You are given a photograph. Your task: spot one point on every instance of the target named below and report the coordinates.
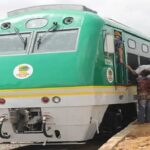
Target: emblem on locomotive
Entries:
(110, 76)
(23, 71)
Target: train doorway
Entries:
(119, 58)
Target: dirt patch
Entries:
(137, 139)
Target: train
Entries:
(60, 81)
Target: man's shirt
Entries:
(118, 44)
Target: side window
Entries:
(131, 44)
(144, 60)
(109, 43)
(133, 62)
(145, 48)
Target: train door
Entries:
(119, 58)
(110, 48)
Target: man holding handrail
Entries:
(143, 92)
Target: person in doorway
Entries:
(143, 93)
(118, 46)
(120, 70)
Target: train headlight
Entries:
(56, 99)
(6, 25)
(68, 20)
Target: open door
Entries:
(119, 59)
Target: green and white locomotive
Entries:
(60, 80)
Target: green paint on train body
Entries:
(85, 66)
(60, 69)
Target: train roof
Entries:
(125, 28)
(51, 7)
(80, 8)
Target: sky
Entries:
(133, 13)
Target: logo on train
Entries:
(23, 71)
(110, 75)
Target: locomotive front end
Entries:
(47, 92)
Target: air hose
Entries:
(44, 128)
(3, 135)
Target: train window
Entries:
(11, 43)
(133, 62)
(36, 23)
(131, 44)
(144, 60)
(145, 48)
(109, 43)
(56, 41)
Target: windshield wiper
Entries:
(8, 25)
(41, 38)
(24, 41)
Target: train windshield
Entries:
(56, 41)
(11, 43)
